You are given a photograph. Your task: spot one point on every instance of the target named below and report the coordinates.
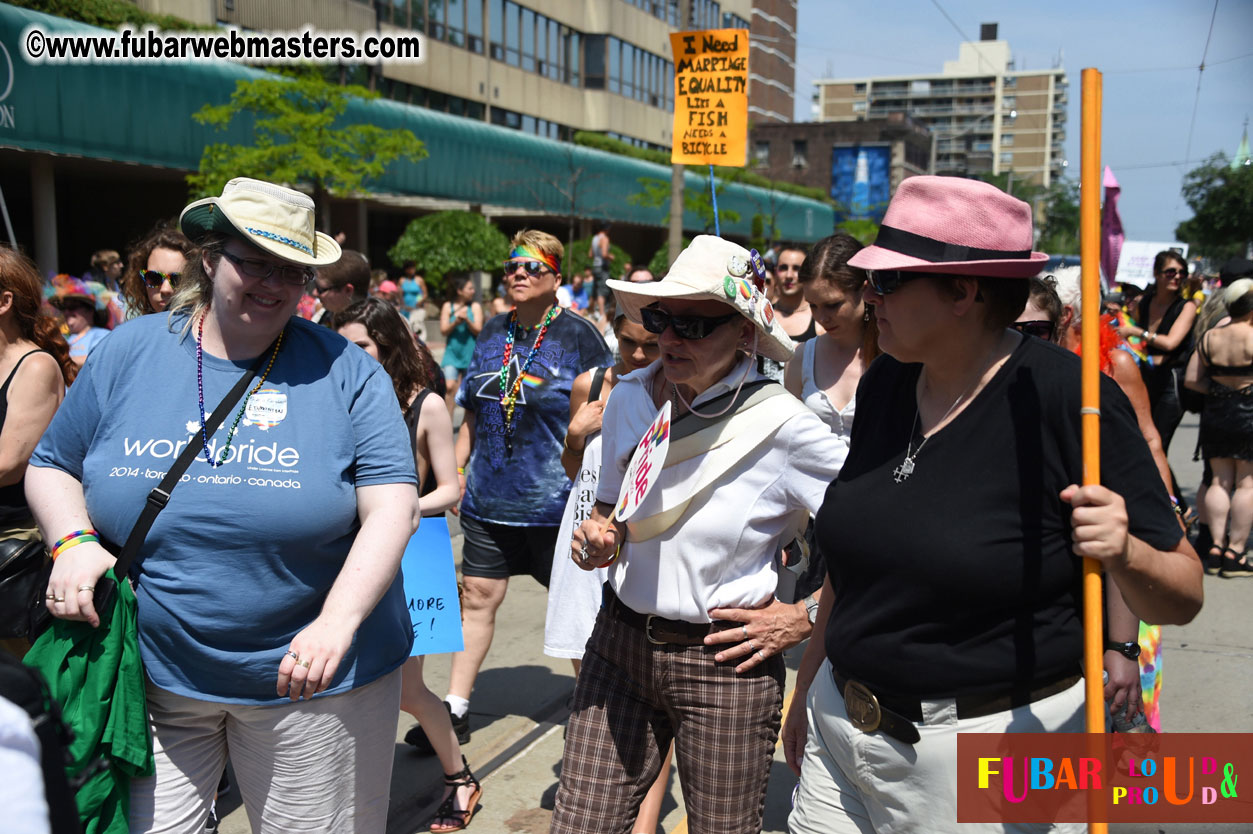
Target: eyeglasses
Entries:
(257, 268)
(531, 267)
(685, 327)
(1174, 273)
(1041, 328)
(324, 290)
(888, 281)
(154, 278)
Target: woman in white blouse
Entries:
(694, 568)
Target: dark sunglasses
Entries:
(888, 281)
(1174, 273)
(531, 267)
(685, 327)
(1040, 328)
(257, 268)
(154, 278)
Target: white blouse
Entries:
(721, 553)
(840, 421)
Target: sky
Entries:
(1149, 52)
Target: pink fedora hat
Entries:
(954, 226)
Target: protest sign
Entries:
(431, 589)
(711, 97)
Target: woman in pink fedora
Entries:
(956, 526)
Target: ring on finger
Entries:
(761, 654)
(82, 588)
(751, 647)
(304, 663)
(745, 628)
(50, 596)
(293, 655)
(58, 599)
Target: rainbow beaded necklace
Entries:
(230, 435)
(509, 393)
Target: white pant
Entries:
(317, 765)
(869, 783)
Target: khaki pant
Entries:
(868, 783)
(320, 765)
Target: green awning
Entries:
(141, 113)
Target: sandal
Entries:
(1234, 565)
(447, 809)
(1213, 561)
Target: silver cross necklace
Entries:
(901, 473)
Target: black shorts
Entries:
(499, 551)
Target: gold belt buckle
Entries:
(862, 707)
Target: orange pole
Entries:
(1090, 259)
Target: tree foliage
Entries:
(450, 241)
(299, 138)
(864, 230)
(108, 14)
(1060, 233)
(656, 194)
(1221, 200)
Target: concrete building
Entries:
(985, 115)
(547, 67)
(805, 153)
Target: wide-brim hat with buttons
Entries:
(275, 219)
(718, 270)
(954, 226)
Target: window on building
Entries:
(572, 57)
(761, 153)
(1008, 102)
(1007, 139)
(594, 62)
(859, 107)
(455, 14)
(859, 89)
(614, 48)
(435, 19)
(513, 57)
(496, 28)
(474, 26)
(1007, 158)
(1009, 82)
(800, 153)
(417, 15)
(399, 13)
(528, 40)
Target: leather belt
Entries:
(896, 716)
(659, 630)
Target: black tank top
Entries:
(411, 420)
(13, 507)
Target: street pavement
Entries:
(518, 710)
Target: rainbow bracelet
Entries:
(77, 537)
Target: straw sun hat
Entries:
(718, 270)
(275, 219)
(954, 226)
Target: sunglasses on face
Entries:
(685, 327)
(1041, 329)
(257, 268)
(1174, 273)
(888, 281)
(531, 267)
(324, 290)
(154, 278)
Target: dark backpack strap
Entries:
(598, 381)
(160, 496)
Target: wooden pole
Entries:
(1090, 259)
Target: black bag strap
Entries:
(598, 381)
(160, 495)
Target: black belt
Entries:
(896, 716)
(659, 630)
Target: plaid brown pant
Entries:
(633, 698)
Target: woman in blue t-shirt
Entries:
(271, 576)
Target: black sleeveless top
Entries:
(411, 420)
(13, 507)
(1169, 359)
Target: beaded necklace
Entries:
(230, 435)
(509, 393)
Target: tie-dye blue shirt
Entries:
(518, 479)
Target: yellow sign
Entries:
(711, 97)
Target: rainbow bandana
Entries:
(526, 252)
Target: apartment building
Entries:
(985, 115)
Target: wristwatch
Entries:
(811, 607)
(1131, 651)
